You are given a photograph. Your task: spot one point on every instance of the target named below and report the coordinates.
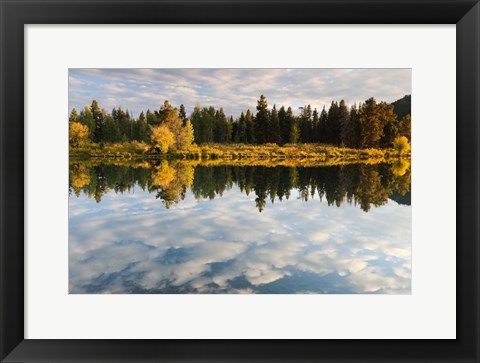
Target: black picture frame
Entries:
(16, 13)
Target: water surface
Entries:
(183, 227)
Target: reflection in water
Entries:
(207, 235)
(365, 185)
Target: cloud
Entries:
(234, 89)
(130, 243)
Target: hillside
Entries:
(403, 106)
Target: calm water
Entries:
(160, 227)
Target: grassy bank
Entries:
(305, 162)
(237, 152)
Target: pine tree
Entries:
(142, 130)
(322, 126)
(305, 124)
(220, 126)
(86, 118)
(315, 126)
(371, 126)
(196, 118)
(390, 124)
(182, 114)
(73, 116)
(284, 128)
(261, 121)
(292, 124)
(111, 131)
(98, 120)
(249, 127)
(242, 129)
(274, 126)
(333, 124)
(209, 123)
(229, 135)
(352, 129)
(123, 123)
(151, 118)
(405, 127)
(142, 117)
(390, 132)
(344, 120)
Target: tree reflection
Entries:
(365, 185)
(170, 181)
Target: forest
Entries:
(371, 124)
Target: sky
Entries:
(236, 90)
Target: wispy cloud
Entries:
(234, 89)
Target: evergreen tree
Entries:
(151, 119)
(371, 125)
(220, 126)
(229, 136)
(141, 129)
(405, 127)
(86, 118)
(249, 127)
(235, 135)
(294, 132)
(274, 126)
(242, 129)
(123, 123)
(333, 124)
(114, 114)
(196, 118)
(351, 130)
(344, 120)
(98, 119)
(390, 132)
(390, 124)
(306, 124)
(261, 121)
(315, 126)
(208, 123)
(322, 126)
(284, 128)
(182, 114)
(167, 114)
(142, 117)
(73, 116)
(111, 131)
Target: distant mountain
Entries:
(403, 106)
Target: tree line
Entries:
(370, 124)
(164, 129)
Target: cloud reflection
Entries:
(130, 243)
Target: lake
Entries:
(165, 227)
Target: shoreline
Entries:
(238, 152)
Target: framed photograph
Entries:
(240, 181)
